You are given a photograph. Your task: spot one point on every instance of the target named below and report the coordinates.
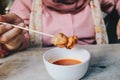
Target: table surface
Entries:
(28, 64)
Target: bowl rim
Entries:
(87, 60)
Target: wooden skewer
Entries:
(28, 29)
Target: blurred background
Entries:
(5, 6)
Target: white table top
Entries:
(28, 64)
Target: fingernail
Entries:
(21, 24)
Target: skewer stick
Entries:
(16, 26)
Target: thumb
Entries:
(2, 18)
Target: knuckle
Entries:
(2, 29)
(4, 39)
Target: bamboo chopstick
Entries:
(16, 26)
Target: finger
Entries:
(15, 42)
(24, 31)
(8, 26)
(4, 28)
(23, 25)
(9, 35)
(13, 18)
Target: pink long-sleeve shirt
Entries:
(80, 24)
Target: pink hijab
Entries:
(66, 6)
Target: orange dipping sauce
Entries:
(67, 62)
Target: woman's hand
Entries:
(11, 37)
(118, 29)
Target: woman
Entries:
(71, 17)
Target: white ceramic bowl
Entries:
(71, 72)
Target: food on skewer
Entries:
(72, 41)
(62, 40)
